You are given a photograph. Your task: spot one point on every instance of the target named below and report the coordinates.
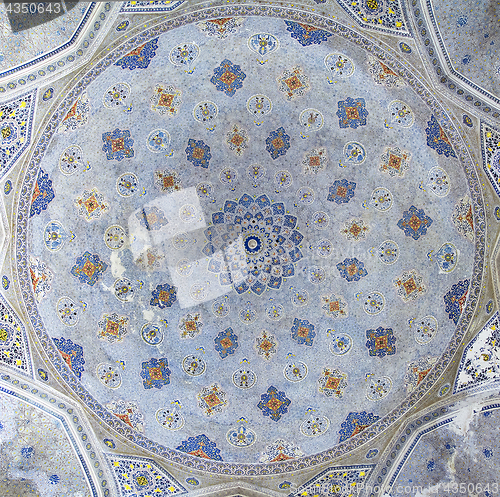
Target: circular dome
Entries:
(266, 236)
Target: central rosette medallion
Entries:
(253, 244)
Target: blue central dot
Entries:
(253, 244)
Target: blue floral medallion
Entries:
(414, 222)
(303, 332)
(404, 47)
(437, 139)
(43, 194)
(381, 342)
(7, 188)
(355, 423)
(89, 268)
(226, 343)
(198, 153)
(228, 77)
(118, 145)
(352, 113)
(341, 191)
(274, 403)
(277, 143)
(270, 244)
(109, 443)
(48, 94)
(164, 296)
(140, 57)
(305, 34)
(200, 446)
(467, 121)
(455, 300)
(351, 269)
(155, 373)
(43, 375)
(72, 353)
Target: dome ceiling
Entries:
(249, 239)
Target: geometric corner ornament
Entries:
(479, 366)
(16, 122)
(14, 348)
(141, 477)
(379, 15)
(490, 149)
(338, 481)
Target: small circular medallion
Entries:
(221, 308)
(320, 220)
(425, 329)
(184, 268)
(341, 344)
(109, 376)
(275, 312)
(354, 153)
(381, 199)
(151, 334)
(158, 141)
(259, 105)
(198, 291)
(324, 248)
(188, 213)
(378, 388)
(241, 436)
(127, 184)
(316, 274)
(305, 195)
(205, 112)
(374, 303)
(170, 419)
(315, 426)
(300, 298)
(193, 365)
(244, 378)
(123, 289)
(181, 241)
(295, 371)
(339, 65)
(71, 160)
(115, 237)
(388, 252)
(311, 120)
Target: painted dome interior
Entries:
(248, 249)
(215, 220)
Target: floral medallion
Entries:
(274, 403)
(212, 400)
(332, 382)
